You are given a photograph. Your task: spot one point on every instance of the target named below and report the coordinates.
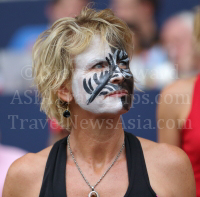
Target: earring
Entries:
(67, 113)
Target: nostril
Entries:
(117, 79)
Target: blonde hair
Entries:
(54, 50)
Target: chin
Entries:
(112, 114)
(113, 110)
(112, 106)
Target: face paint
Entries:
(121, 57)
(93, 83)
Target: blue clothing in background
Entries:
(25, 37)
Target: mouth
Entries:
(118, 93)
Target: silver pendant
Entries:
(93, 194)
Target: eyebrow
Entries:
(97, 60)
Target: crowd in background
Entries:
(161, 56)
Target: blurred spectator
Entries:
(17, 57)
(7, 156)
(178, 40)
(15, 71)
(179, 110)
(149, 64)
(57, 9)
(26, 36)
(139, 14)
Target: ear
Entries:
(65, 94)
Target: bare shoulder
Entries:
(166, 155)
(181, 86)
(175, 99)
(169, 169)
(26, 174)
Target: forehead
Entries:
(97, 50)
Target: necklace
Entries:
(93, 193)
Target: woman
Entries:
(81, 68)
(178, 114)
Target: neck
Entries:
(98, 142)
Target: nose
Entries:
(117, 77)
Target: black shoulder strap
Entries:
(138, 177)
(54, 181)
(53, 184)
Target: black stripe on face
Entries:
(116, 75)
(90, 84)
(128, 82)
(109, 88)
(116, 87)
(85, 86)
(125, 60)
(103, 93)
(123, 57)
(95, 78)
(103, 80)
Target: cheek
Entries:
(79, 92)
(112, 105)
(77, 86)
(90, 80)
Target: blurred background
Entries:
(164, 52)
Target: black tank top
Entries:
(54, 180)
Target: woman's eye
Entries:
(123, 65)
(99, 66)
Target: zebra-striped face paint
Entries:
(99, 73)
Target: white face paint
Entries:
(91, 61)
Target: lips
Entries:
(118, 93)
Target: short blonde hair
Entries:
(55, 49)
